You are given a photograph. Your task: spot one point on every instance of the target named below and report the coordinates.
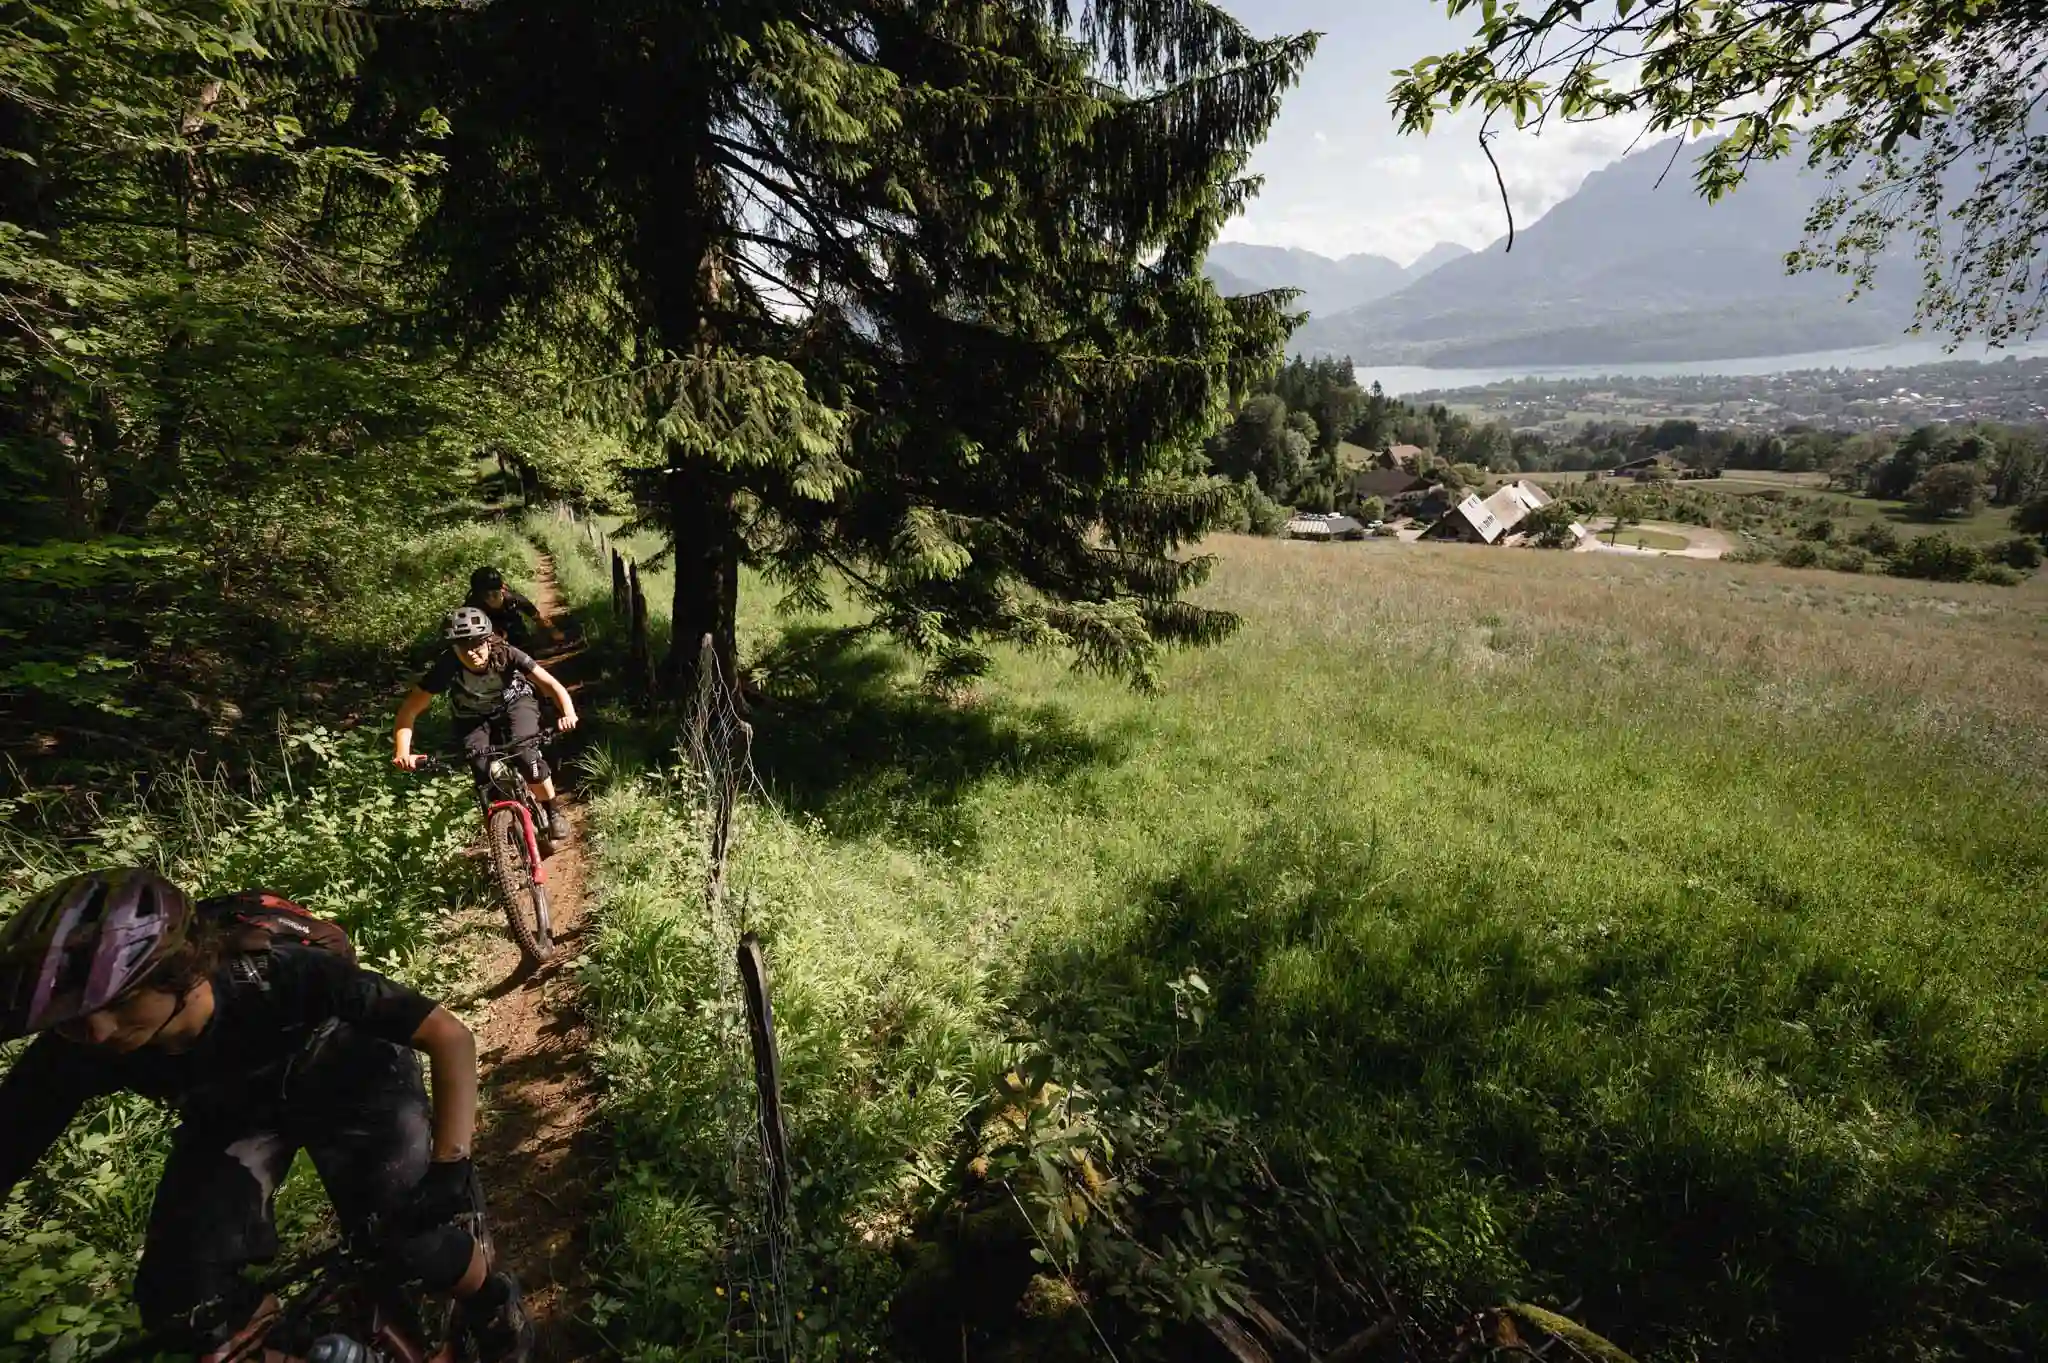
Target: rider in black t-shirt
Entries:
(261, 1055)
(508, 609)
(490, 687)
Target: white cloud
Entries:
(1340, 179)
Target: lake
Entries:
(1402, 379)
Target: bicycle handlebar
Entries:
(434, 762)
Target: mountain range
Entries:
(1328, 286)
(1623, 270)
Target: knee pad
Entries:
(436, 1259)
(532, 766)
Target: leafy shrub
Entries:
(1386, 532)
(1261, 514)
(1878, 537)
(2019, 552)
(1799, 554)
(1937, 558)
(1995, 575)
(2031, 516)
(1819, 531)
(1550, 527)
(1844, 558)
(1954, 489)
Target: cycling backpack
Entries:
(256, 920)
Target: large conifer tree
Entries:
(906, 290)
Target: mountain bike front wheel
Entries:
(524, 899)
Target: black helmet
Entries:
(485, 580)
(465, 623)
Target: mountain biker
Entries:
(508, 609)
(261, 1054)
(490, 687)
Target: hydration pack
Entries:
(253, 921)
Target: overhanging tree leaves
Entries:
(903, 292)
(1924, 113)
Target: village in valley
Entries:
(1420, 506)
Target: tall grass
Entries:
(1665, 937)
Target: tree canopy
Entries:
(1924, 113)
(910, 295)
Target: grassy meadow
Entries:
(1659, 939)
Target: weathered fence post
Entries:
(619, 602)
(642, 653)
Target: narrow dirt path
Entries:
(536, 1143)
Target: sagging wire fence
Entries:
(719, 743)
(716, 741)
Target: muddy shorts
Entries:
(359, 1109)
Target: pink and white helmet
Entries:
(84, 942)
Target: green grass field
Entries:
(1661, 937)
(1642, 537)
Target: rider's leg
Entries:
(522, 718)
(211, 1219)
(473, 736)
(370, 1138)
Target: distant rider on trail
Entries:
(262, 1053)
(490, 687)
(508, 609)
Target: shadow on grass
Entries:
(1719, 1140)
(844, 736)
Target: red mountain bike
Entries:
(516, 840)
(338, 1306)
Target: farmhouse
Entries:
(1491, 520)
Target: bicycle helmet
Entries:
(465, 623)
(83, 943)
(485, 580)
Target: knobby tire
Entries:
(525, 901)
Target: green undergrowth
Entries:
(317, 814)
(1572, 958)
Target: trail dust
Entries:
(535, 1147)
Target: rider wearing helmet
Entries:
(490, 687)
(261, 1054)
(507, 608)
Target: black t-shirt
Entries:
(505, 615)
(234, 1073)
(479, 693)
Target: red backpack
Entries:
(256, 920)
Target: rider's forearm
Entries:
(408, 716)
(565, 704)
(451, 1058)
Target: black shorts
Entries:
(358, 1108)
(515, 724)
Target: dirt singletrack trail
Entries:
(536, 1138)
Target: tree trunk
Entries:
(705, 533)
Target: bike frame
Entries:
(522, 802)
(540, 870)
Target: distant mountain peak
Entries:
(1327, 286)
(1443, 253)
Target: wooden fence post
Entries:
(618, 585)
(641, 662)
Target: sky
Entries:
(1340, 179)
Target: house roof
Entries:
(1385, 483)
(1405, 455)
(1499, 514)
(1317, 526)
